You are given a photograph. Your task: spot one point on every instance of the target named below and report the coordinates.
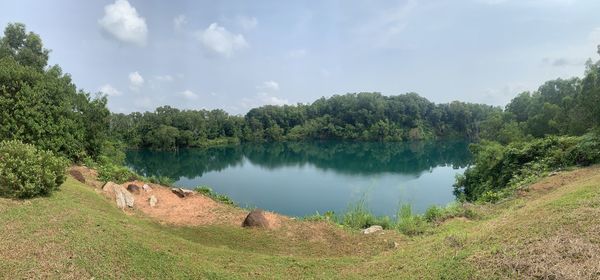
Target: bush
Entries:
(433, 214)
(116, 173)
(358, 216)
(498, 170)
(215, 196)
(27, 172)
(408, 223)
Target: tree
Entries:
(26, 48)
(40, 105)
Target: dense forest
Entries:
(42, 110)
(356, 116)
(558, 107)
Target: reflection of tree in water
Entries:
(184, 163)
(362, 158)
(344, 157)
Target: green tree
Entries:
(26, 48)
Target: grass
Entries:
(77, 233)
(207, 191)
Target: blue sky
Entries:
(236, 55)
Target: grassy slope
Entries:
(78, 233)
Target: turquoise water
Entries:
(299, 179)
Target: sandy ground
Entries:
(193, 210)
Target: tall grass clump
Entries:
(409, 223)
(358, 216)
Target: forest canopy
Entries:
(355, 116)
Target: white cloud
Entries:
(188, 94)
(297, 53)
(179, 21)
(269, 85)
(164, 78)
(109, 90)
(247, 23)
(219, 40)
(272, 100)
(136, 81)
(122, 21)
(261, 99)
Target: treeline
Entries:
(558, 107)
(357, 116)
(555, 127)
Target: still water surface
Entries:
(299, 179)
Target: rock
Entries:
(182, 192)
(122, 196)
(133, 188)
(146, 188)
(256, 218)
(393, 244)
(109, 187)
(372, 229)
(152, 200)
(77, 175)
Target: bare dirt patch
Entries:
(193, 210)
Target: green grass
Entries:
(78, 233)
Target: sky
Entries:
(236, 55)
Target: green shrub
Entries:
(161, 180)
(498, 170)
(116, 173)
(408, 223)
(27, 172)
(358, 216)
(215, 196)
(433, 214)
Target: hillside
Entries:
(551, 232)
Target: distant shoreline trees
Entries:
(357, 116)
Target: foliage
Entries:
(355, 116)
(207, 191)
(408, 223)
(116, 173)
(558, 107)
(28, 172)
(161, 180)
(499, 169)
(358, 216)
(40, 105)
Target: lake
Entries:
(301, 178)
